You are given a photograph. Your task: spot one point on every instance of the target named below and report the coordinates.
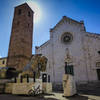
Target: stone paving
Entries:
(59, 96)
(53, 96)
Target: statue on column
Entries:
(69, 86)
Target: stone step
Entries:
(93, 86)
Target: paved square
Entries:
(53, 96)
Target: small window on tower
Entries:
(18, 23)
(29, 14)
(19, 12)
(28, 24)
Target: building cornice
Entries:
(93, 35)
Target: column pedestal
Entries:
(69, 86)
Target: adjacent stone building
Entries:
(3, 62)
(84, 48)
(20, 46)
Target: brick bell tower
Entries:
(20, 46)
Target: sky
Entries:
(50, 12)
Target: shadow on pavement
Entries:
(91, 92)
(38, 97)
(77, 97)
(23, 97)
(92, 88)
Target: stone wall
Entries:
(8, 87)
(3, 62)
(21, 88)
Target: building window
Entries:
(29, 14)
(97, 64)
(99, 52)
(28, 25)
(18, 23)
(19, 12)
(3, 62)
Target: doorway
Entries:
(98, 74)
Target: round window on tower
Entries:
(66, 37)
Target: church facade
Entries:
(84, 49)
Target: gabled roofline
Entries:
(65, 18)
(25, 4)
(42, 44)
